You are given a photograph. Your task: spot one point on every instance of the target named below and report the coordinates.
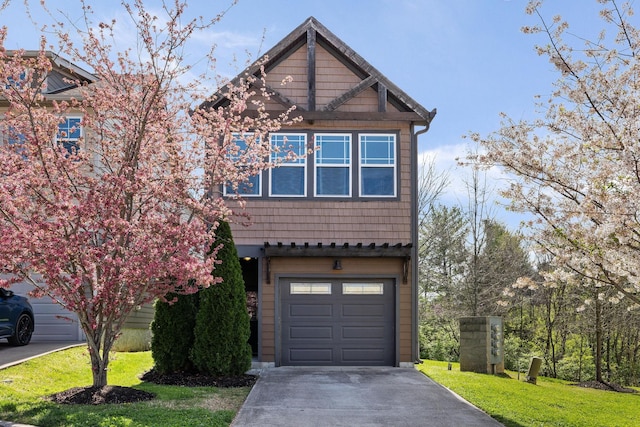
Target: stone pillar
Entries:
(482, 344)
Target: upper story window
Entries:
(288, 178)
(69, 134)
(333, 165)
(13, 82)
(346, 164)
(377, 165)
(252, 186)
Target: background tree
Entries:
(442, 251)
(442, 267)
(501, 261)
(479, 213)
(125, 218)
(222, 330)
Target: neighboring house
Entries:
(52, 322)
(331, 248)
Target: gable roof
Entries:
(61, 80)
(312, 34)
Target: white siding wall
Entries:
(53, 323)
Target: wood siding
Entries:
(333, 79)
(294, 66)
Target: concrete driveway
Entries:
(10, 355)
(354, 396)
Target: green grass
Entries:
(22, 388)
(549, 403)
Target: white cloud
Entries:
(227, 39)
(446, 159)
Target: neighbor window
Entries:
(288, 177)
(252, 186)
(11, 138)
(69, 134)
(333, 165)
(12, 82)
(377, 165)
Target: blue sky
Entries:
(467, 58)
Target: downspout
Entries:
(415, 346)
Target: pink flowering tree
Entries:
(125, 214)
(577, 166)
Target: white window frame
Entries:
(310, 288)
(275, 157)
(362, 165)
(258, 175)
(350, 288)
(67, 139)
(349, 165)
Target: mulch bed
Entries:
(117, 394)
(188, 379)
(605, 386)
(100, 395)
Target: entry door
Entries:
(331, 322)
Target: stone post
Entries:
(482, 344)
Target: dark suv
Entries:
(16, 318)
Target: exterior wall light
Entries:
(337, 264)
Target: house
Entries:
(331, 249)
(52, 322)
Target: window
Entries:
(310, 289)
(69, 134)
(13, 139)
(363, 289)
(333, 165)
(11, 82)
(377, 165)
(343, 165)
(288, 178)
(252, 186)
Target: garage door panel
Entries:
(363, 332)
(310, 332)
(311, 310)
(363, 310)
(338, 328)
(364, 355)
(313, 356)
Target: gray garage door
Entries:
(337, 322)
(53, 323)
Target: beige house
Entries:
(331, 251)
(52, 322)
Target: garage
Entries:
(52, 322)
(337, 322)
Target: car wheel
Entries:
(24, 330)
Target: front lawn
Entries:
(23, 386)
(549, 403)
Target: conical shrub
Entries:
(173, 333)
(222, 328)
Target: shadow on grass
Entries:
(114, 415)
(507, 422)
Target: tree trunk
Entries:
(98, 369)
(99, 347)
(598, 352)
(608, 357)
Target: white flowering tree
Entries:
(577, 166)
